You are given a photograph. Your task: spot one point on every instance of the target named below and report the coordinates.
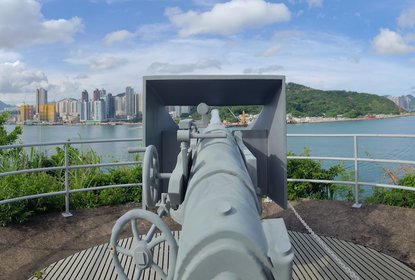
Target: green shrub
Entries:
(23, 185)
(52, 181)
(312, 169)
(394, 197)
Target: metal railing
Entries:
(67, 167)
(355, 159)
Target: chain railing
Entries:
(67, 167)
(355, 159)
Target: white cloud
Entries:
(206, 3)
(117, 36)
(409, 37)
(109, 2)
(21, 23)
(65, 88)
(271, 51)
(81, 77)
(228, 18)
(262, 70)
(162, 67)
(407, 18)
(315, 3)
(148, 32)
(9, 56)
(16, 77)
(106, 62)
(315, 59)
(390, 42)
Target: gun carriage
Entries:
(211, 180)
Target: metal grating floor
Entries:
(310, 262)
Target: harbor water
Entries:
(380, 148)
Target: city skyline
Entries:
(66, 46)
(101, 107)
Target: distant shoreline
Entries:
(307, 120)
(292, 120)
(77, 124)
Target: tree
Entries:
(8, 138)
(311, 169)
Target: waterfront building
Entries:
(178, 111)
(68, 107)
(84, 95)
(109, 106)
(136, 107)
(119, 102)
(26, 113)
(96, 94)
(99, 114)
(103, 93)
(141, 102)
(41, 98)
(47, 112)
(85, 111)
(129, 101)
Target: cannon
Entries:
(214, 190)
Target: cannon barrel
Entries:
(222, 236)
(215, 186)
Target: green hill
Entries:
(3, 105)
(303, 101)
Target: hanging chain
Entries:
(352, 274)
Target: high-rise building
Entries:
(141, 103)
(97, 94)
(68, 107)
(109, 106)
(103, 93)
(84, 96)
(41, 98)
(47, 112)
(85, 111)
(181, 110)
(119, 102)
(129, 101)
(26, 113)
(136, 107)
(99, 115)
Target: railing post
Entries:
(66, 213)
(356, 203)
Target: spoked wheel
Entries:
(151, 182)
(141, 250)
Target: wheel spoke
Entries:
(137, 274)
(135, 230)
(150, 233)
(159, 271)
(156, 241)
(124, 251)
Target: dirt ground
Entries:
(27, 248)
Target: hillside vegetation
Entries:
(303, 101)
(3, 105)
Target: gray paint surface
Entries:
(265, 138)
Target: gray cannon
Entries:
(212, 193)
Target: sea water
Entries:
(380, 148)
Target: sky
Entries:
(68, 46)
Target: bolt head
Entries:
(142, 256)
(224, 208)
